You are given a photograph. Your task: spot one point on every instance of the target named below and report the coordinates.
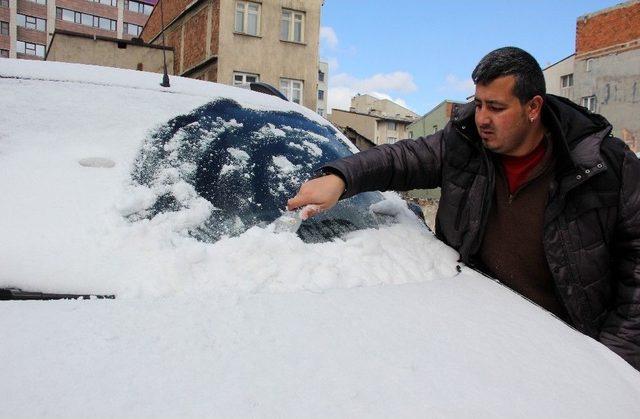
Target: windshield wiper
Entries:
(18, 294)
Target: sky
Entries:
(420, 52)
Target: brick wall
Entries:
(195, 30)
(75, 27)
(30, 35)
(607, 28)
(31, 9)
(172, 8)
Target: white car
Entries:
(171, 200)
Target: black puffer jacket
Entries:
(592, 220)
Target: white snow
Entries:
(378, 323)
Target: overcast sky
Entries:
(420, 52)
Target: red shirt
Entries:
(518, 169)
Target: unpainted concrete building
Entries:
(323, 88)
(559, 77)
(236, 42)
(73, 47)
(607, 67)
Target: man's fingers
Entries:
(295, 202)
(309, 211)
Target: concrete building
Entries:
(27, 26)
(433, 120)
(73, 47)
(559, 77)
(323, 88)
(379, 121)
(607, 67)
(234, 42)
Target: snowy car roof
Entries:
(377, 323)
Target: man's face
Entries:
(502, 121)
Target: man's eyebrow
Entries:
(490, 102)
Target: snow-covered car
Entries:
(169, 199)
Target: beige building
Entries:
(73, 47)
(381, 121)
(235, 42)
(558, 77)
(323, 88)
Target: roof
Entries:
(436, 108)
(377, 117)
(559, 61)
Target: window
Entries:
(391, 140)
(435, 129)
(137, 7)
(31, 22)
(566, 81)
(85, 19)
(30, 49)
(106, 2)
(320, 94)
(4, 53)
(4, 28)
(242, 78)
(320, 76)
(4, 3)
(589, 64)
(247, 17)
(291, 26)
(589, 102)
(36, 1)
(410, 134)
(391, 125)
(320, 111)
(292, 89)
(132, 29)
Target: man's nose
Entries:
(482, 117)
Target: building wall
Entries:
(553, 75)
(322, 105)
(48, 12)
(365, 125)
(614, 79)
(73, 49)
(266, 54)
(607, 66)
(608, 27)
(438, 117)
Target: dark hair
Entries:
(512, 61)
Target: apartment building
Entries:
(323, 88)
(433, 120)
(235, 42)
(558, 77)
(27, 26)
(380, 121)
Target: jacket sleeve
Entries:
(621, 330)
(407, 164)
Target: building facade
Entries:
(27, 26)
(236, 42)
(607, 67)
(74, 47)
(558, 77)
(433, 120)
(380, 121)
(323, 88)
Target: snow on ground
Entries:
(379, 323)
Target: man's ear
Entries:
(535, 107)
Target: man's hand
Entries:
(317, 195)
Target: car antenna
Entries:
(165, 76)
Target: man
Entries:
(535, 192)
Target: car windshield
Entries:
(246, 163)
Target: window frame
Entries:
(566, 81)
(4, 28)
(4, 3)
(140, 7)
(111, 3)
(27, 47)
(41, 2)
(244, 75)
(33, 25)
(392, 126)
(78, 17)
(321, 75)
(320, 94)
(589, 102)
(288, 89)
(291, 25)
(244, 30)
(4, 53)
(125, 29)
